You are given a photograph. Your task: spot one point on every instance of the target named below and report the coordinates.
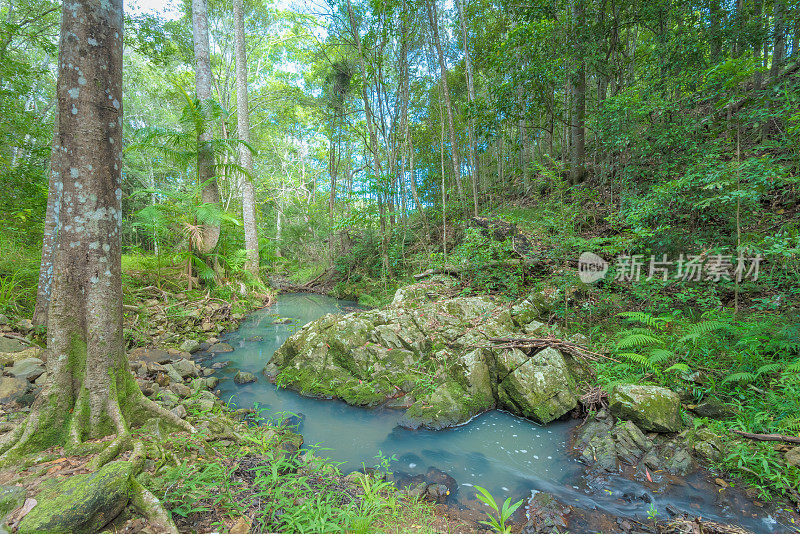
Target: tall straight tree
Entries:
(578, 154)
(245, 156)
(433, 20)
(473, 155)
(90, 391)
(205, 151)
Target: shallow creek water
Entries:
(510, 456)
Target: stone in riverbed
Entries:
(434, 348)
(149, 355)
(12, 389)
(652, 408)
(28, 369)
(180, 390)
(80, 503)
(218, 348)
(713, 409)
(10, 344)
(545, 513)
(25, 352)
(190, 345)
(173, 374)
(186, 368)
(243, 377)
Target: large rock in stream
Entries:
(431, 354)
(651, 407)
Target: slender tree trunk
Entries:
(523, 156)
(473, 153)
(205, 151)
(577, 168)
(404, 98)
(90, 391)
(245, 156)
(373, 138)
(715, 12)
(779, 40)
(433, 19)
(757, 45)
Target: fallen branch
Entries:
(767, 437)
(568, 347)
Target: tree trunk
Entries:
(577, 169)
(373, 138)
(779, 39)
(473, 154)
(715, 12)
(51, 227)
(757, 45)
(205, 152)
(434, 24)
(246, 157)
(90, 392)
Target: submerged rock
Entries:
(433, 350)
(218, 348)
(243, 377)
(652, 408)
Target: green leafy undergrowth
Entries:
(231, 469)
(750, 364)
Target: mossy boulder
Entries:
(432, 347)
(652, 408)
(540, 387)
(81, 503)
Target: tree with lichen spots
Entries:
(90, 391)
(205, 149)
(245, 156)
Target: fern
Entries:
(647, 319)
(638, 340)
(792, 424)
(744, 376)
(703, 328)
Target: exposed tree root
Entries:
(151, 508)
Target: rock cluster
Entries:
(23, 371)
(431, 355)
(609, 445)
(179, 385)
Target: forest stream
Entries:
(508, 455)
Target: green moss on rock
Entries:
(82, 503)
(652, 408)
